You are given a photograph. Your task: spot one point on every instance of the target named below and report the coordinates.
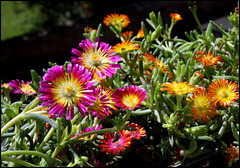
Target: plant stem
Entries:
(31, 104)
(193, 9)
(179, 100)
(25, 152)
(101, 131)
(47, 137)
(63, 144)
(12, 122)
(17, 161)
(173, 22)
(39, 108)
(127, 115)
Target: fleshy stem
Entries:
(45, 140)
(127, 115)
(179, 100)
(17, 161)
(17, 119)
(124, 55)
(24, 152)
(173, 22)
(64, 143)
(193, 9)
(12, 122)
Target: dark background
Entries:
(33, 51)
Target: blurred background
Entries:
(34, 33)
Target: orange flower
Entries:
(175, 16)
(207, 59)
(140, 33)
(160, 65)
(147, 57)
(232, 154)
(125, 46)
(127, 35)
(236, 9)
(109, 146)
(116, 19)
(140, 132)
(179, 88)
(88, 30)
(203, 108)
(223, 92)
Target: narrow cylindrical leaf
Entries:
(222, 129)
(153, 18)
(58, 131)
(144, 29)
(41, 118)
(141, 112)
(99, 29)
(169, 102)
(234, 131)
(209, 30)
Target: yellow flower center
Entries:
(130, 100)
(200, 104)
(97, 105)
(118, 143)
(224, 93)
(69, 93)
(27, 88)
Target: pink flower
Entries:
(129, 98)
(62, 90)
(96, 58)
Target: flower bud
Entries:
(195, 79)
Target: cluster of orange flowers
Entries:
(232, 153)
(221, 92)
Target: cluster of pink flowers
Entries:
(63, 88)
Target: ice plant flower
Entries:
(22, 87)
(147, 58)
(129, 98)
(62, 90)
(207, 59)
(96, 58)
(223, 92)
(140, 33)
(5, 86)
(179, 88)
(116, 19)
(127, 35)
(125, 46)
(103, 104)
(109, 146)
(232, 154)
(160, 65)
(176, 16)
(202, 107)
(140, 132)
(95, 163)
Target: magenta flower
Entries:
(62, 90)
(96, 58)
(109, 146)
(22, 87)
(95, 163)
(129, 98)
(103, 104)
